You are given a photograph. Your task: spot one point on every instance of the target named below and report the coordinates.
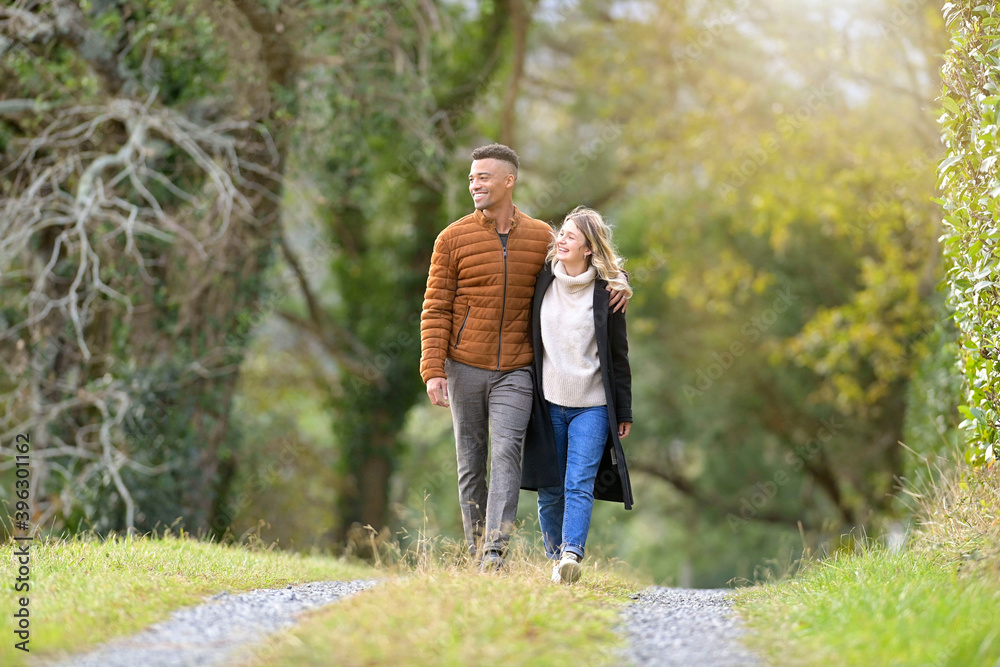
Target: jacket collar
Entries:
(483, 220)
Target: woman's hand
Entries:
(624, 428)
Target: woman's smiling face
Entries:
(571, 246)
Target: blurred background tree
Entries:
(143, 151)
(769, 168)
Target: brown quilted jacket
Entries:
(477, 307)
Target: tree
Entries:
(404, 96)
(772, 187)
(144, 145)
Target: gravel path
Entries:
(217, 632)
(685, 627)
(665, 627)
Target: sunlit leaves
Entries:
(969, 177)
(775, 202)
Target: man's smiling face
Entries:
(490, 181)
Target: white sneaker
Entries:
(568, 568)
(556, 577)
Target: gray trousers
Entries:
(485, 402)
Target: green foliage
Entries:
(931, 428)
(969, 177)
(381, 125)
(778, 223)
(768, 170)
(129, 380)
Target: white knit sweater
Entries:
(571, 370)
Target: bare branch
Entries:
(357, 367)
(704, 498)
(14, 107)
(92, 212)
(320, 321)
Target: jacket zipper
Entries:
(462, 328)
(503, 308)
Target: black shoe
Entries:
(492, 562)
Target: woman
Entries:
(583, 389)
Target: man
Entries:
(476, 344)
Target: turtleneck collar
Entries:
(574, 283)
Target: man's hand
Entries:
(437, 389)
(624, 428)
(618, 300)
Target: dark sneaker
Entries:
(492, 562)
(569, 568)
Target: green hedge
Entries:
(968, 177)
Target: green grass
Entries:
(85, 591)
(432, 608)
(877, 609)
(453, 615)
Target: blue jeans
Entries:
(564, 512)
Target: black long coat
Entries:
(540, 466)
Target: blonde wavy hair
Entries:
(603, 256)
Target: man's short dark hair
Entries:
(498, 152)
